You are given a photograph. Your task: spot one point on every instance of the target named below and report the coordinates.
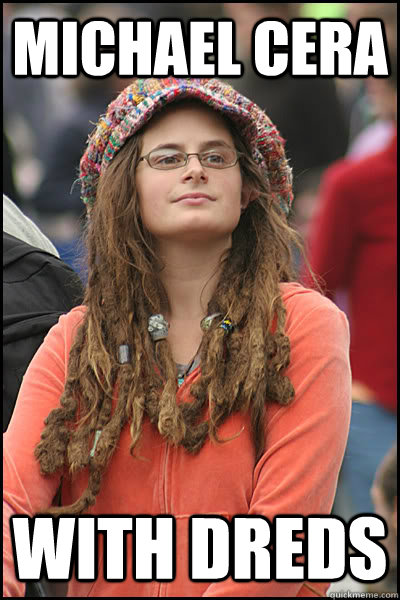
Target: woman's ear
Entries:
(248, 195)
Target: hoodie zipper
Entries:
(187, 382)
(165, 475)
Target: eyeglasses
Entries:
(166, 159)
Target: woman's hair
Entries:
(240, 371)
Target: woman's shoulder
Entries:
(76, 311)
(74, 317)
(62, 334)
(296, 296)
(319, 337)
(305, 305)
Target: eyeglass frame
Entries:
(187, 154)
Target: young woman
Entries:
(198, 377)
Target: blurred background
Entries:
(325, 122)
(47, 121)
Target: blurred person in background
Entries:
(16, 223)
(50, 123)
(9, 186)
(323, 10)
(306, 110)
(57, 199)
(352, 246)
(37, 288)
(185, 10)
(306, 203)
(31, 105)
(368, 101)
(384, 497)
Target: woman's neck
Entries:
(190, 278)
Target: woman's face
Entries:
(191, 203)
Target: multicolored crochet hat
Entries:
(137, 103)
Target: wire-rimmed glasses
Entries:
(166, 158)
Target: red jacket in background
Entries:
(353, 246)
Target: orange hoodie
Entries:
(296, 475)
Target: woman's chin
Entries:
(200, 227)
(199, 233)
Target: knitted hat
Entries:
(137, 103)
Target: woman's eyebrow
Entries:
(203, 145)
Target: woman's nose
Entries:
(194, 168)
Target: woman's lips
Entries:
(194, 199)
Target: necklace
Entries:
(158, 329)
(183, 370)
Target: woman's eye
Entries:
(166, 159)
(214, 158)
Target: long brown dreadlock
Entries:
(256, 352)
